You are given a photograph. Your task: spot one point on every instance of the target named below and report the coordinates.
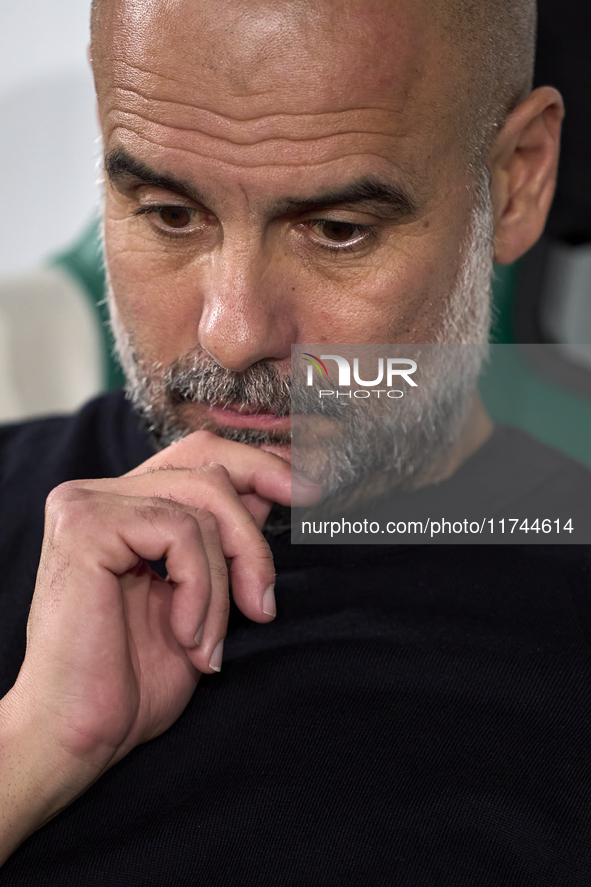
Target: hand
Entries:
(259, 477)
(112, 656)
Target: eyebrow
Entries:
(387, 200)
(121, 166)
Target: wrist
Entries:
(38, 781)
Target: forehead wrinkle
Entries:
(116, 60)
(121, 112)
(267, 123)
(146, 90)
(234, 165)
(272, 152)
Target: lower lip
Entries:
(249, 420)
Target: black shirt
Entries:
(414, 716)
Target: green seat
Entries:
(84, 262)
(515, 394)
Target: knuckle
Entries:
(154, 470)
(63, 493)
(217, 471)
(156, 508)
(223, 608)
(264, 553)
(219, 572)
(186, 521)
(207, 519)
(68, 506)
(149, 513)
(252, 524)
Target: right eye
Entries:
(175, 216)
(172, 218)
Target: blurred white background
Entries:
(48, 130)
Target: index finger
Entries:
(251, 470)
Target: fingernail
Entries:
(199, 635)
(269, 605)
(216, 658)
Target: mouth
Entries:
(249, 417)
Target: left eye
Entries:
(337, 232)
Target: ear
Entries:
(523, 163)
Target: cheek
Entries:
(420, 300)
(158, 306)
(401, 299)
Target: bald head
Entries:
(488, 48)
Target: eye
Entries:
(175, 216)
(172, 218)
(336, 235)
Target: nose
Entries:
(246, 312)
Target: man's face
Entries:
(279, 172)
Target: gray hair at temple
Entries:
(492, 49)
(495, 41)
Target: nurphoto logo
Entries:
(389, 370)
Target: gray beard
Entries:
(403, 442)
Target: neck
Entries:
(476, 431)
